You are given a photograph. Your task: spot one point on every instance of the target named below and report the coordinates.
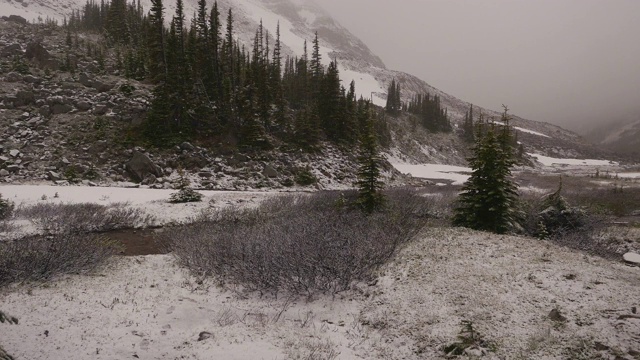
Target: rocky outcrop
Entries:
(140, 167)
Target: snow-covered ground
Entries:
(435, 171)
(550, 161)
(148, 307)
(152, 201)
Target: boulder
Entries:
(140, 166)
(83, 105)
(61, 108)
(53, 176)
(11, 50)
(15, 19)
(187, 146)
(13, 168)
(32, 79)
(102, 87)
(24, 98)
(632, 258)
(4, 172)
(270, 172)
(13, 77)
(14, 152)
(45, 110)
(84, 80)
(100, 109)
(35, 51)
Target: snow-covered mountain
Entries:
(299, 21)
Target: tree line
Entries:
(210, 87)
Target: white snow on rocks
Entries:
(632, 258)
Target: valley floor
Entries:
(148, 307)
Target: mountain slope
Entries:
(299, 21)
(622, 136)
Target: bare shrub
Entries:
(299, 244)
(84, 217)
(42, 257)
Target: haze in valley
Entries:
(575, 63)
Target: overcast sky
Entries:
(569, 62)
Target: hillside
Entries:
(621, 136)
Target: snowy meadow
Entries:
(270, 275)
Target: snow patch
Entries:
(435, 171)
(152, 201)
(550, 161)
(366, 85)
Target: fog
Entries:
(575, 63)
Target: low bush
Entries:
(6, 208)
(42, 257)
(84, 217)
(553, 217)
(300, 244)
(304, 177)
(185, 195)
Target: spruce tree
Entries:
(468, 127)
(370, 186)
(489, 198)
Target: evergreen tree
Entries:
(489, 198)
(370, 197)
(156, 43)
(117, 27)
(468, 127)
(394, 105)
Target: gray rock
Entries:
(632, 258)
(53, 176)
(14, 153)
(149, 180)
(35, 51)
(555, 315)
(205, 174)
(83, 105)
(61, 108)
(140, 166)
(100, 109)
(24, 98)
(3, 159)
(102, 87)
(4, 172)
(11, 50)
(32, 79)
(13, 168)
(204, 335)
(13, 77)
(85, 80)
(187, 146)
(15, 19)
(269, 171)
(45, 110)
